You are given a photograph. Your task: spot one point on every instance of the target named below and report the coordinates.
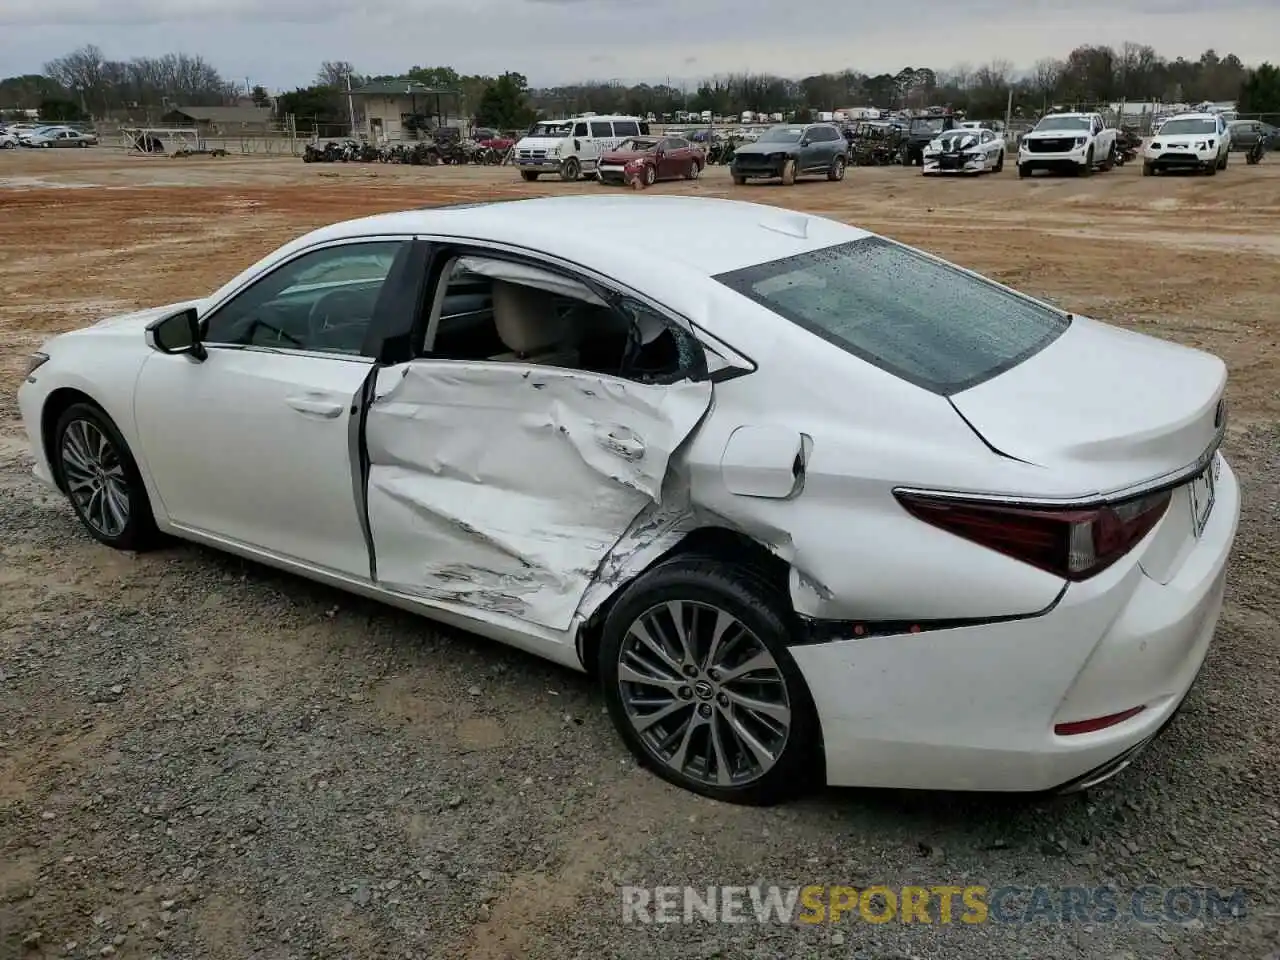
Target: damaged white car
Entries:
(965, 150)
(810, 503)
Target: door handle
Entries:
(317, 406)
(622, 443)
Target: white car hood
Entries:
(138, 320)
(954, 140)
(539, 143)
(1054, 134)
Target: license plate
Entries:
(1201, 493)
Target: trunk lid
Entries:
(1107, 407)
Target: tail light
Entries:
(1075, 543)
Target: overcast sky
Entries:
(280, 43)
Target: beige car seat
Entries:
(530, 326)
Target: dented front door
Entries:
(501, 486)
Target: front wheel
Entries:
(529, 175)
(1148, 169)
(101, 479)
(999, 163)
(1024, 171)
(1110, 162)
(650, 175)
(837, 169)
(1087, 169)
(1222, 163)
(570, 170)
(695, 169)
(700, 684)
(738, 180)
(788, 173)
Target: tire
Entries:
(590, 176)
(650, 175)
(695, 170)
(1226, 157)
(90, 452)
(1211, 170)
(1110, 162)
(570, 170)
(999, 167)
(82, 144)
(529, 175)
(1023, 171)
(788, 172)
(1148, 169)
(1087, 169)
(836, 173)
(703, 591)
(739, 181)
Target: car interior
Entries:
(480, 317)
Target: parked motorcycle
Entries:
(1256, 151)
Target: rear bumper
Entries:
(975, 708)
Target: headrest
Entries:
(526, 318)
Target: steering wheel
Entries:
(337, 308)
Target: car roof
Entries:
(1197, 115)
(723, 235)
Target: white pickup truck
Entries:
(1068, 142)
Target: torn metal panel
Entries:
(504, 485)
(529, 276)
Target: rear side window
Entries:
(924, 321)
(626, 128)
(603, 130)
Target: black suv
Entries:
(791, 150)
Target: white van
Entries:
(572, 148)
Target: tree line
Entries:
(86, 82)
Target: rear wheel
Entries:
(837, 169)
(101, 479)
(699, 681)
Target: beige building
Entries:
(394, 109)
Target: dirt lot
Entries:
(200, 757)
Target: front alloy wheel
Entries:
(95, 478)
(101, 479)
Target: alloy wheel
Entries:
(703, 693)
(95, 478)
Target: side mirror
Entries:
(804, 141)
(178, 333)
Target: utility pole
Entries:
(351, 105)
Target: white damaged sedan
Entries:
(810, 503)
(965, 150)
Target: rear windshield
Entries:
(924, 321)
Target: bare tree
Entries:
(335, 73)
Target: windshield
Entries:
(930, 125)
(781, 135)
(551, 130)
(1063, 123)
(1173, 127)
(637, 145)
(924, 321)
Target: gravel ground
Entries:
(204, 758)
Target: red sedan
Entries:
(650, 159)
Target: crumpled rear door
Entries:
(501, 486)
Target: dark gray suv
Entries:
(791, 150)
